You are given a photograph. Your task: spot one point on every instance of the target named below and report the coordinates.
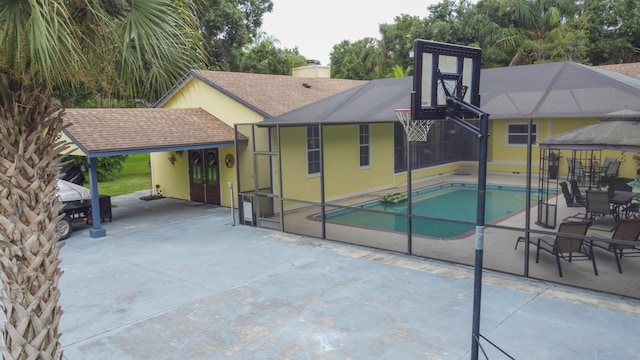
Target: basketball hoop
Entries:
(416, 130)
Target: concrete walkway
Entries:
(175, 280)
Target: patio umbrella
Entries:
(635, 184)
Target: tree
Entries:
(397, 42)
(360, 60)
(228, 26)
(613, 30)
(51, 44)
(262, 56)
(453, 22)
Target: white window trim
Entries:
(306, 136)
(361, 167)
(507, 133)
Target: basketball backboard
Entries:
(436, 64)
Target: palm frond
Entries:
(37, 38)
(510, 43)
(157, 45)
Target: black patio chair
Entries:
(610, 168)
(576, 170)
(627, 231)
(568, 248)
(598, 204)
(575, 190)
(568, 197)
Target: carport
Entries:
(123, 131)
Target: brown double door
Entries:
(204, 176)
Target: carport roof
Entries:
(106, 132)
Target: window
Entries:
(313, 150)
(364, 145)
(517, 134)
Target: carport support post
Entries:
(97, 230)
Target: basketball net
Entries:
(416, 130)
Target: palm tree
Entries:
(124, 47)
(531, 22)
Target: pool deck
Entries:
(176, 280)
(499, 252)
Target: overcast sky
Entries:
(316, 26)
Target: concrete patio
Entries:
(175, 280)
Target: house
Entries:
(190, 132)
(312, 139)
(351, 143)
(234, 98)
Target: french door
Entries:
(204, 176)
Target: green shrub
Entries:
(109, 167)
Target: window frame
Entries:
(364, 145)
(509, 134)
(312, 145)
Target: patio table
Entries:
(619, 200)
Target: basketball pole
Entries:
(482, 133)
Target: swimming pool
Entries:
(454, 201)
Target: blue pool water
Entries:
(455, 201)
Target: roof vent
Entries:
(306, 85)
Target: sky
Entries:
(314, 27)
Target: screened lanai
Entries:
(558, 91)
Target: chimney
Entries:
(313, 69)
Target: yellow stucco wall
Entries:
(513, 158)
(72, 149)
(171, 179)
(195, 94)
(227, 175)
(401, 177)
(174, 178)
(343, 176)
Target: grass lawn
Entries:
(136, 175)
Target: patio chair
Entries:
(605, 167)
(598, 204)
(568, 197)
(627, 231)
(565, 247)
(609, 171)
(576, 170)
(575, 190)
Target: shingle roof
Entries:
(114, 130)
(551, 90)
(273, 95)
(631, 69)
